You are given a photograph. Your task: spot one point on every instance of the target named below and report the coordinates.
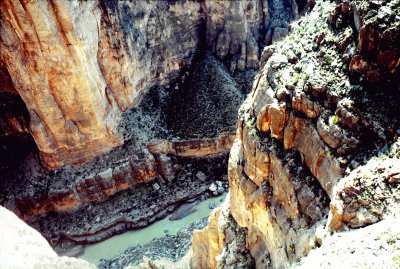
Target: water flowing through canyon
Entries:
(199, 134)
(114, 246)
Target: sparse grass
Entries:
(251, 122)
(392, 239)
(334, 119)
(296, 78)
(396, 261)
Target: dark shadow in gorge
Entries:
(15, 141)
(206, 104)
(379, 103)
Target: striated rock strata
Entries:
(313, 116)
(77, 65)
(67, 195)
(136, 207)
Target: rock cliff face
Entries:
(221, 236)
(77, 65)
(162, 164)
(319, 108)
(50, 59)
(100, 87)
(67, 195)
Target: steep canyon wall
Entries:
(317, 146)
(77, 65)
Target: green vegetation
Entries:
(296, 78)
(328, 59)
(392, 239)
(396, 261)
(251, 122)
(334, 119)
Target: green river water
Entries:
(115, 245)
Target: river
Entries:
(115, 245)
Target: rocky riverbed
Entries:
(135, 208)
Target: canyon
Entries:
(116, 114)
(49, 46)
(105, 103)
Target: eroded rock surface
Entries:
(348, 249)
(78, 65)
(24, 247)
(311, 119)
(368, 193)
(49, 55)
(150, 151)
(222, 243)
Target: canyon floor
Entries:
(201, 106)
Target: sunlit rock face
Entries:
(24, 247)
(48, 49)
(77, 65)
(316, 147)
(222, 244)
(208, 243)
(276, 200)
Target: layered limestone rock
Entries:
(67, 196)
(49, 55)
(194, 148)
(143, 180)
(142, 43)
(308, 123)
(24, 247)
(368, 199)
(78, 65)
(64, 196)
(134, 208)
(276, 200)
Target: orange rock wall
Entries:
(50, 59)
(77, 65)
